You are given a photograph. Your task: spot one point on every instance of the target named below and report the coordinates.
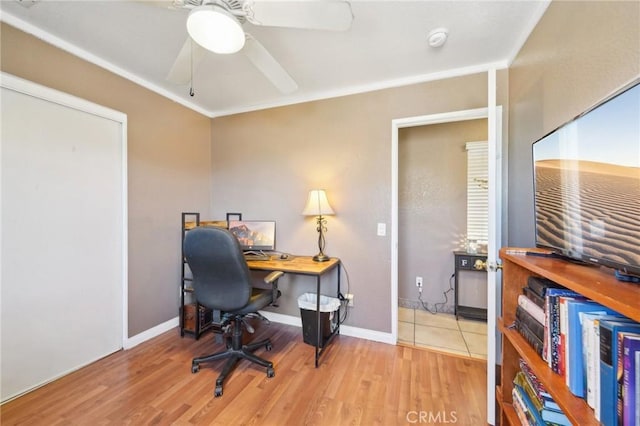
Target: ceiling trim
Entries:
(385, 84)
(351, 90)
(528, 29)
(56, 41)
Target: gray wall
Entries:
(578, 54)
(264, 163)
(432, 210)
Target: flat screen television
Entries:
(254, 235)
(587, 185)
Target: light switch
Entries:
(382, 229)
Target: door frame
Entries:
(493, 114)
(64, 100)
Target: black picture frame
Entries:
(233, 216)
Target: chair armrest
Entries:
(272, 279)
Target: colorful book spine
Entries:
(519, 407)
(630, 392)
(538, 386)
(541, 399)
(534, 310)
(555, 418)
(576, 349)
(533, 296)
(552, 322)
(591, 354)
(608, 367)
(562, 344)
(541, 285)
(597, 354)
(532, 414)
(619, 372)
(637, 409)
(536, 327)
(521, 381)
(537, 402)
(529, 336)
(586, 322)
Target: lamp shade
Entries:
(317, 204)
(215, 29)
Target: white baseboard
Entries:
(365, 333)
(347, 330)
(150, 333)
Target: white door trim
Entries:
(28, 88)
(494, 137)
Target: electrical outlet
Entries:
(349, 297)
(419, 282)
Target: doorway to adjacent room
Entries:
(493, 114)
(437, 214)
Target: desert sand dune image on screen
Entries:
(594, 207)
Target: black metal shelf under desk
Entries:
(467, 262)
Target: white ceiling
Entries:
(385, 47)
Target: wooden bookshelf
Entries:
(596, 283)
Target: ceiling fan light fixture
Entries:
(215, 29)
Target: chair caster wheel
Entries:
(268, 346)
(270, 372)
(195, 368)
(218, 391)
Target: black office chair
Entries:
(222, 282)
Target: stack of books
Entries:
(532, 402)
(594, 348)
(531, 312)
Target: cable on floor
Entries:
(446, 298)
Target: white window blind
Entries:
(477, 191)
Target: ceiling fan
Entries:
(216, 26)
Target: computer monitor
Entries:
(254, 234)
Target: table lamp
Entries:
(318, 205)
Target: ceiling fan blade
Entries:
(331, 15)
(188, 59)
(267, 64)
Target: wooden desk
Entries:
(304, 265)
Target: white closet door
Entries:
(63, 236)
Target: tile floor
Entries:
(442, 332)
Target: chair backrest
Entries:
(221, 277)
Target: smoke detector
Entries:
(438, 37)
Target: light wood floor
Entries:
(359, 382)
